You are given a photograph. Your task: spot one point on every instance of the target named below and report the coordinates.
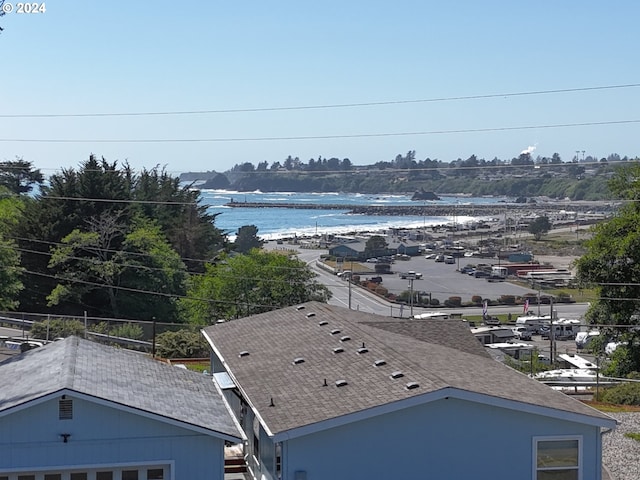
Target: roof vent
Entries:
(322, 323)
(300, 307)
(244, 353)
(338, 350)
(335, 331)
(341, 383)
(311, 314)
(65, 408)
(325, 384)
(397, 374)
(379, 363)
(411, 385)
(298, 361)
(345, 338)
(362, 350)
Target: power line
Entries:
(321, 137)
(321, 106)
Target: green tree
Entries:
(247, 238)
(10, 269)
(245, 285)
(19, 176)
(539, 227)
(612, 264)
(120, 274)
(375, 243)
(76, 199)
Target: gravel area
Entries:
(621, 455)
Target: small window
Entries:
(311, 314)
(26, 477)
(155, 474)
(557, 459)
(130, 475)
(397, 374)
(298, 361)
(379, 363)
(362, 350)
(49, 476)
(65, 409)
(345, 338)
(335, 331)
(79, 476)
(338, 350)
(104, 475)
(322, 323)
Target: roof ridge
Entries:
(69, 359)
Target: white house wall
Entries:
(446, 439)
(31, 439)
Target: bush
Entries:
(181, 344)
(453, 302)
(380, 290)
(434, 302)
(57, 328)
(625, 394)
(477, 299)
(508, 299)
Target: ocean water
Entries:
(274, 223)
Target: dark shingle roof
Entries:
(434, 354)
(119, 376)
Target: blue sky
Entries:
(163, 56)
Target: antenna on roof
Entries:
(271, 404)
(325, 384)
(363, 345)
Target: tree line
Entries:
(522, 176)
(111, 242)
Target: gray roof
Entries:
(435, 354)
(119, 376)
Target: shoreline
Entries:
(471, 210)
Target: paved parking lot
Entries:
(443, 280)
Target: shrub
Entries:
(477, 299)
(434, 302)
(453, 302)
(508, 299)
(625, 394)
(380, 290)
(181, 344)
(57, 328)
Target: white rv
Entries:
(533, 323)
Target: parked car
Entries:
(449, 259)
(481, 274)
(522, 333)
(372, 260)
(376, 279)
(439, 258)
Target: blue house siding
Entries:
(101, 435)
(446, 439)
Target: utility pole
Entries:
(551, 333)
(349, 280)
(411, 295)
